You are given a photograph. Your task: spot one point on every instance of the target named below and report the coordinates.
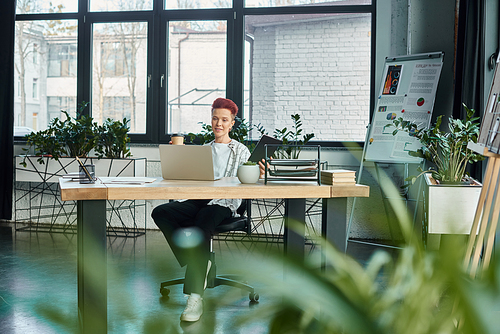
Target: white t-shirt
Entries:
(221, 154)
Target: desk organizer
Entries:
(293, 169)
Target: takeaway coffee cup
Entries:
(177, 139)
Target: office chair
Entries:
(238, 223)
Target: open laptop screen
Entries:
(186, 162)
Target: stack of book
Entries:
(338, 176)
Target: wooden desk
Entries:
(91, 223)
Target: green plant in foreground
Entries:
(446, 150)
(412, 291)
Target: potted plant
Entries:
(292, 143)
(249, 172)
(451, 196)
(447, 151)
(112, 139)
(55, 149)
(69, 137)
(78, 136)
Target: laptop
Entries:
(186, 162)
(259, 151)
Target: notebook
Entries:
(186, 162)
(259, 152)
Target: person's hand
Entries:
(263, 168)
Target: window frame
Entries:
(157, 44)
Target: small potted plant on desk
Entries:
(249, 172)
(451, 194)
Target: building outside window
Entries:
(116, 58)
(35, 53)
(57, 103)
(35, 89)
(117, 107)
(62, 59)
(53, 43)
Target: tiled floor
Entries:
(38, 285)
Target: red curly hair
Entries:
(225, 104)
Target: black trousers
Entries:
(188, 227)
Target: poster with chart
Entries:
(408, 90)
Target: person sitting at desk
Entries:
(184, 220)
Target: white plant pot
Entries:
(451, 208)
(248, 173)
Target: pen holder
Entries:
(84, 177)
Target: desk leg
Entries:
(294, 238)
(92, 274)
(334, 222)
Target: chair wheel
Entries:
(254, 297)
(164, 291)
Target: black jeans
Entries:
(188, 227)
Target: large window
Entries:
(162, 67)
(119, 66)
(196, 70)
(314, 65)
(45, 66)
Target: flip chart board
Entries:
(408, 90)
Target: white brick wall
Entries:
(319, 69)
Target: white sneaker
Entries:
(193, 310)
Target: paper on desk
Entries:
(127, 180)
